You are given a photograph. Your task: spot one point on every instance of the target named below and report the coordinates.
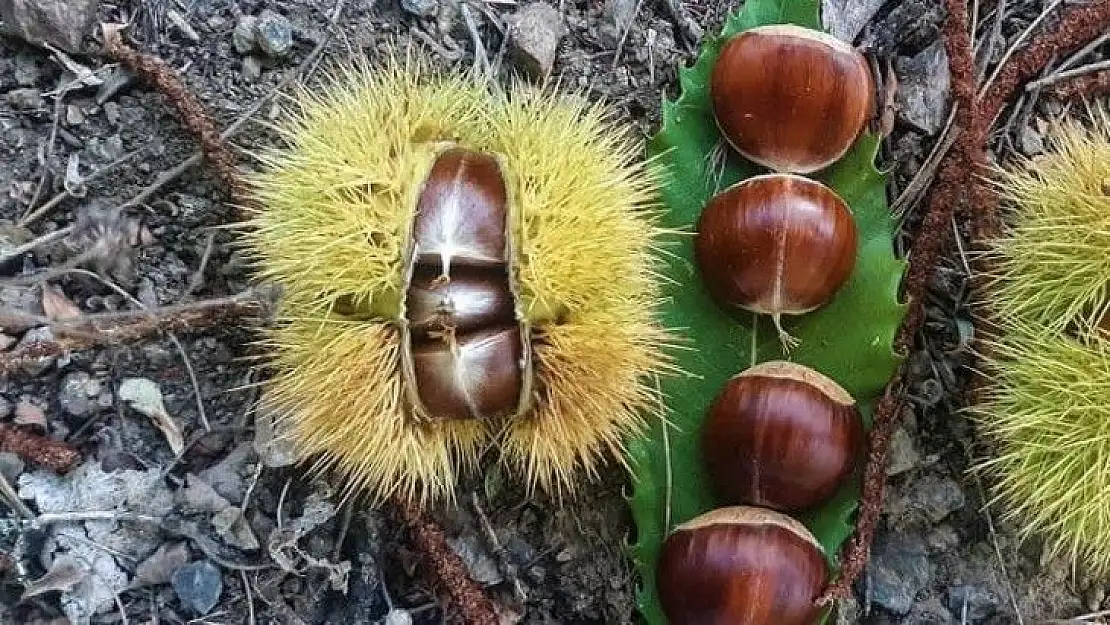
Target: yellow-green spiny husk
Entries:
(1046, 403)
(336, 206)
(1052, 264)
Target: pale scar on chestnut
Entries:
(466, 355)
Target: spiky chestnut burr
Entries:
(1044, 403)
(535, 258)
(1051, 265)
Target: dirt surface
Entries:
(940, 557)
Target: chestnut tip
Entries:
(790, 98)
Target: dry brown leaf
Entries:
(145, 396)
(56, 305)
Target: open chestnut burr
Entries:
(789, 98)
(741, 565)
(783, 436)
(776, 244)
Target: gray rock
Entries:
(980, 603)
(535, 31)
(78, 393)
(274, 34)
(1030, 141)
(198, 585)
(421, 8)
(844, 19)
(112, 112)
(618, 16)
(898, 571)
(10, 466)
(6, 407)
(923, 87)
(74, 115)
(60, 23)
(242, 36)
(27, 99)
(938, 498)
(252, 68)
(929, 612)
(903, 455)
(26, 70)
(482, 567)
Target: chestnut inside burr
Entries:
(467, 353)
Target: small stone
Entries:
(74, 115)
(26, 70)
(112, 113)
(398, 617)
(274, 34)
(421, 8)
(980, 603)
(844, 19)
(899, 570)
(618, 19)
(481, 566)
(252, 68)
(78, 393)
(923, 88)
(198, 585)
(27, 99)
(938, 498)
(6, 407)
(1030, 141)
(10, 466)
(903, 455)
(242, 36)
(60, 23)
(535, 31)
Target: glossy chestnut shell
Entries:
(776, 244)
(790, 98)
(783, 436)
(741, 566)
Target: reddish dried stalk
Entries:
(1096, 84)
(196, 118)
(55, 455)
(473, 604)
(121, 328)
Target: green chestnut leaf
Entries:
(850, 339)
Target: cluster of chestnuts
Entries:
(780, 438)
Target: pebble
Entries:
(923, 88)
(252, 68)
(398, 617)
(242, 36)
(27, 98)
(60, 23)
(26, 70)
(903, 455)
(74, 115)
(10, 466)
(898, 571)
(112, 113)
(198, 585)
(78, 394)
(481, 566)
(6, 407)
(274, 34)
(535, 31)
(844, 19)
(938, 498)
(421, 8)
(981, 603)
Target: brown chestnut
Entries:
(781, 435)
(741, 565)
(791, 98)
(776, 244)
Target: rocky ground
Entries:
(250, 541)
